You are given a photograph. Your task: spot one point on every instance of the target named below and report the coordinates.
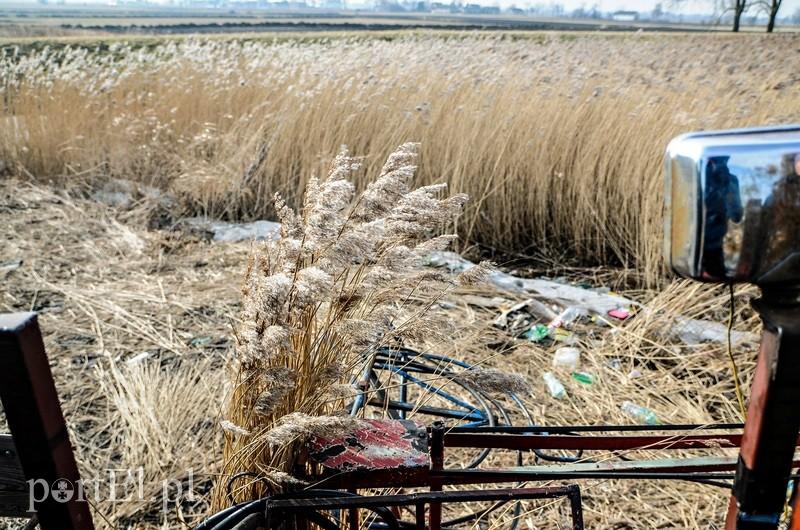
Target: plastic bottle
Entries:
(567, 317)
(567, 358)
(537, 333)
(639, 413)
(554, 386)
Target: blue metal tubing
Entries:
(434, 390)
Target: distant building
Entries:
(625, 16)
(477, 9)
(439, 7)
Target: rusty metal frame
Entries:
(34, 416)
(770, 435)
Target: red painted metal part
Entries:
(379, 444)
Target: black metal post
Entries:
(437, 464)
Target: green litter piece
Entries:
(537, 333)
(583, 377)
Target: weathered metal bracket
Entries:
(34, 416)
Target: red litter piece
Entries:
(619, 313)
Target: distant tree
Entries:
(579, 12)
(771, 8)
(735, 7)
(658, 12)
(796, 16)
(739, 7)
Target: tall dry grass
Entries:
(557, 138)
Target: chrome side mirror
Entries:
(732, 203)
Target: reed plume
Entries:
(346, 277)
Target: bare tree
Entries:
(736, 7)
(770, 7)
(739, 7)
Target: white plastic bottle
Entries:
(554, 386)
(568, 358)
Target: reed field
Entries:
(558, 138)
(196, 362)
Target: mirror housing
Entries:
(732, 205)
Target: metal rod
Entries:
(437, 465)
(420, 515)
(605, 443)
(567, 429)
(576, 505)
(432, 411)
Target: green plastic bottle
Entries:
(639, 413)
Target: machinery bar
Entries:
(568, 429)
(608, 443)
(350, 501)
(667, 469)
(309, 506)
(433, 411)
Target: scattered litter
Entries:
(7, 267)
(200, 341)
(619, 313)
(639, 413)
(634, 374)
(520, 317)
(537, 333)
(599, 302)
(692, 332)
(567, 358)
(233, 232)
(567, 317)
(563, 336)
(564, 295)
(136, 359)
(614, 364)
(583, 377)
(554, 386)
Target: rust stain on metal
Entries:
(380, 444)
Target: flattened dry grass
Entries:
(109, 290)
(136, 325)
